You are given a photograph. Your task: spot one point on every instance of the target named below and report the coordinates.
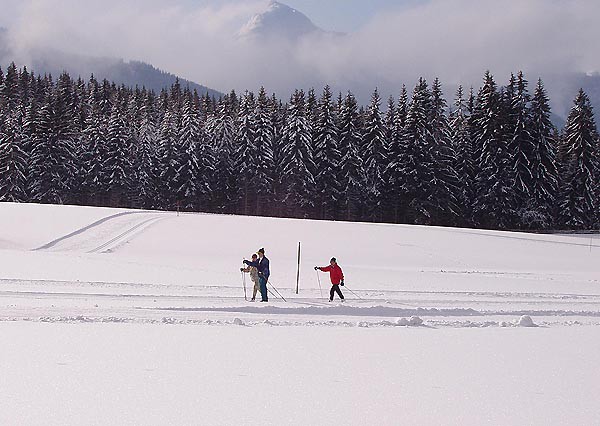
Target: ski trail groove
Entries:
(124, 234)
(82, 230)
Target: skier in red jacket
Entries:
(337, 278)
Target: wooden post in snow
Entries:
(298, 272)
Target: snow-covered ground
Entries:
(135, 317)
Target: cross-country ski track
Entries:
(199, 287)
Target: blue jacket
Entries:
(261, 265)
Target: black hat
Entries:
(261, 250)
(333, 260)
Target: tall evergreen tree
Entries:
(414, 170)
(544, 172)
(146, 156)
(246, 160)
(327, 158)
(297, 159)
(190, 184)
(375, 154)
(13, 161)
(493, 205)
(118, 167)
(579, 189)
(446, 182)
(520, 146)
(460, 137)
(352, 174)
(221, 131)
(53, 163)
(263, 143)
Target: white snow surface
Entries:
(112, 316)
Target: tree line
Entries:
(491, 159)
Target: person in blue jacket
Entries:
(262, 264)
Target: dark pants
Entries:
(262, 281)
(335, 288)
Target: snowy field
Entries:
(116, 317)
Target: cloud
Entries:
(456, 40)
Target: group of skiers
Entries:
(259, 271)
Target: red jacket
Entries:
(335, 273)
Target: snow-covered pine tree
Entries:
(9, 90)
(352, 175)
(544, 173)
(168, 160)
(30, 122)
(413, 171)
(53, 165)
(579, 184)
(493, 205)
(392, 177)
(24, 87)
(375, 155)
(278, 117)
(263, 143)
(297, 159)
(220, 130)
(520, 145)
(460, 138)
(245, 160)
(13, 159)
(445, 184)
(146, 155)
(191, 185)
(327, 158)
(94, 141)
(117, 166)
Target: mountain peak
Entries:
(279, 21)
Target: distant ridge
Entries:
(121, 72)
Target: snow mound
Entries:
(238, 321)
(526, 321)
(413, 321)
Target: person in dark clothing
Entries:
(262, 264)
(337, 278)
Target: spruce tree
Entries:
(117, 165)
(327, 158)
(579, 189)
(263, 153)
(245, 159)
(493, 206)
(375, 154)
(53, 160)
(520, 147)
(352, 175)
(460, 137)
(95, 153)
(414, 170)
(190, 184)
(544, 172)
(146, 156)
(13, 161)
(297, 159)
(445, 184)
(221, 131)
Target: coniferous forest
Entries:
(489, 158)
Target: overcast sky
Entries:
(390, 42)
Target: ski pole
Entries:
(277, 291)
(244, 284)
(352, 292)
(320, 288)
